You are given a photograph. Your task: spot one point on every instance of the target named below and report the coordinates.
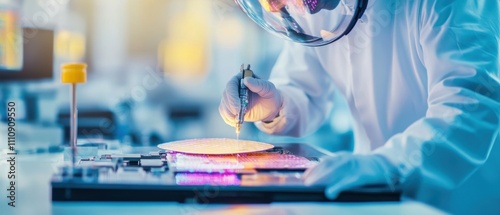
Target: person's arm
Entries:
(307, 92)
(459, 47)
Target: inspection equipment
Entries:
(73, 73)
(148, 174)
(244, 96)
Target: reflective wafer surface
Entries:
(215, 146)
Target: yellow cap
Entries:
(73, 73)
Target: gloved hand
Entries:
(344, 171)
(264, 103)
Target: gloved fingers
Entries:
(226, 115)
(345, 171)
(343, 183)
(312, 174)
(232, 102)
(330, 169)
(263, 88)
(312, 171)
(388, 173)
(232, 84)
(227, 105)
(325, 171)
(231, 93)
(326, 163)
(236, 78)
(317, 176)
(358, 170)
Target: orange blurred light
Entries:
(272, 5)
(184, 52)
(70, 45)
(10, 37)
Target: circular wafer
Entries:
(215, 146)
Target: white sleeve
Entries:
(307, 92)
(459, 48)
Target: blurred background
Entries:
(156, 71)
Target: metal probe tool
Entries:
(73, 73)
(244, 95)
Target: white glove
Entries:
(345, 171)
(264, 103)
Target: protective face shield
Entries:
(309, 22)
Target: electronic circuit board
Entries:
(273, 175)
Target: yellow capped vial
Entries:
(72, 73)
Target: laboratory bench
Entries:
(33, 196)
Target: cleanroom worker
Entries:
(420, 76)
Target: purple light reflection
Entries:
(204, 163)
(207, 179)
(233, 163)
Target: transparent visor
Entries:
(310, 22)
